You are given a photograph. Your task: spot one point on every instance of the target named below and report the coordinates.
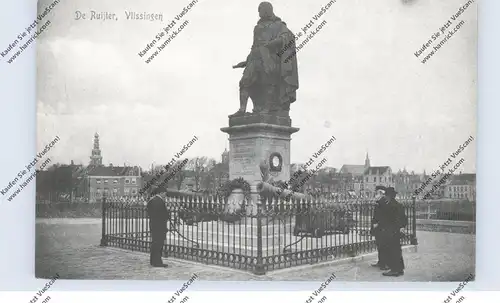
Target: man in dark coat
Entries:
(375, 229)
(158, 217)
(392, 223)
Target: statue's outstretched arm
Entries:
(240, 65)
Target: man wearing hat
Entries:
(393, 223)
(375, 229)
(158, 217)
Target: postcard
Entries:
(217, 140)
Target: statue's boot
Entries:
(243, 104)
(238, 113)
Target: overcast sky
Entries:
(359, 81)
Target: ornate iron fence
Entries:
(446, 209)
(263, 236)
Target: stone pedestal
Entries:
(253, 139)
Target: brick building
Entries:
(110, 180)
(462, 186)
(362, 179)
(114, 181)
(407, 183)
(377, 175)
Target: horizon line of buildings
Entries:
(96, 179)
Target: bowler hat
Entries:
(390, 191)
(380, 187)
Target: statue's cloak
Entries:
(278, 61)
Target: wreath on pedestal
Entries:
(225, 191)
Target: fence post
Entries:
(259, 266)
(414, 240)
(428, 209)
(103, 231)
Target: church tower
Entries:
(225, 156)
(367, 161)
(96, 158)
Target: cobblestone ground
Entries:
(70, 247)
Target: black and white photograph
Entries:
(216, 140)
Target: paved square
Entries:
(70, 247)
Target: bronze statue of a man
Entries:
(270, 76)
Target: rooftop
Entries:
(377, 170)
(112, 171)
(352, 169)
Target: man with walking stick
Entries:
(392, 224)
(158, 217)
(375, 229)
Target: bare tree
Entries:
(326, 180)
(220, 173)
(179, 171)
(199, 166)
(208, 179)
(158, 170)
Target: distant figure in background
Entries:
(375, 229)
(158, 217)
(392, 223)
